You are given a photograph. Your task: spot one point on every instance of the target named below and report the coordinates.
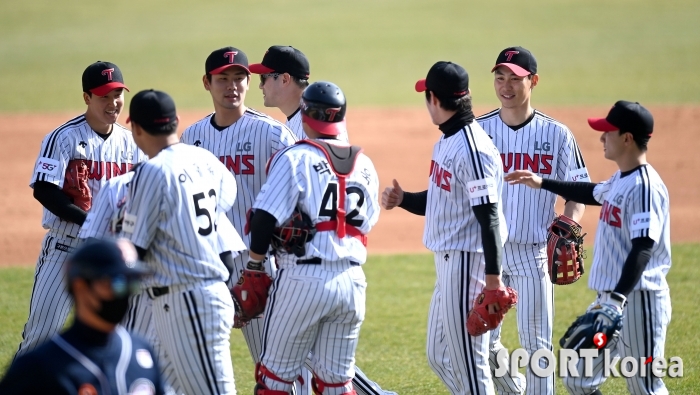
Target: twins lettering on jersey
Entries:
(441, 176)
(99, 170)
(239, 164)
(537, 163)
(611, 214)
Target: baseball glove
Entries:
(480, 320)
(565, 251)
(250, 293)
(605, 318)
(291, 237)
(75, 184)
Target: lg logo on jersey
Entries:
(243, 146)
(569, 359)
(546, 146)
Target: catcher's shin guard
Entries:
(261, 388)
(318, 386)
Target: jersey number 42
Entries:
(331, 195)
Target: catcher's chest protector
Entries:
(342, 162)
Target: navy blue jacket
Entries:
(85, 361)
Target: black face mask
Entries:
(113, 311)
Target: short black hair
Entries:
(301, 82)
(640, 140)
(459, 104)
(163, 130)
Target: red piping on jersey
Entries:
(339, 225)
(348, 229)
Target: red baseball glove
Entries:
(75, 184)
(480, 320)
(250, 294)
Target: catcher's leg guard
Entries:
(262, 388)
(318, 386)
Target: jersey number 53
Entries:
(202, 205)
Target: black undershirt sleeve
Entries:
(58, 203)
(634, 265)
(262, 226)
(415, 202)
(227, 258)
(487, 215)
(579, 192)
(141, 252)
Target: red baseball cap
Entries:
(225, 58)
(100, 78)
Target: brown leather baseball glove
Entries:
(76, 186)
(480, 320)
(565, 251)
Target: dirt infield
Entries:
(400, 142)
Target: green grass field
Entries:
(589, 51)
(392, 345)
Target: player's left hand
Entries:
(489, 309)
(524, 177)
(250, 292)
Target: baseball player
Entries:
(105, 219)
(284, 74)
(530, 140)
(243, 140)
(464, 227)
(174, 202)
(632, 252)
(318, 299)
(75, 160)
(95, 355)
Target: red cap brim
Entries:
(106, 88)
(219, 70)
(517, 70)
(258, 68)
(601, 125)
(327, 128)
(420, 86)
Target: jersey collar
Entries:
(456, 123)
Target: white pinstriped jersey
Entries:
(295, 125)
(174, 202)
(244, 148)
(465, 171)
(105, 207)
(543, 146)
(634, 205)
(300, 176)
(76, 141)
(112, 197)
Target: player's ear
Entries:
(534, 80)
(286, 79)
(86, 98)
(206, 82)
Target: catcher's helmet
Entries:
(111, 259)
(323, 108)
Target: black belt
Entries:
(318, 261)
(155, 292)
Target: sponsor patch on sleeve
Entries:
(640, 221)
(47, 166)
(129, 223)
(481, 188)
(579, 175)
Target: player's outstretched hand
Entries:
(392, 196)
(524, 177)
